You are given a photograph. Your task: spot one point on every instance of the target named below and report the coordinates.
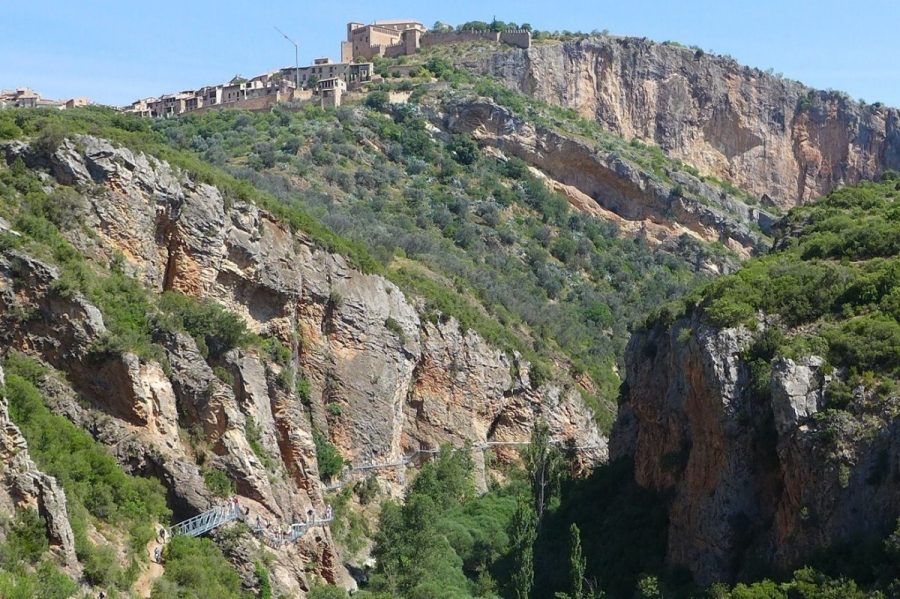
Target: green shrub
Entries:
(329, 459)
(218, 482)
(378, 101)
(47, 582)
(262, 579)
(196, 569)
(393, 326)
(209, 323)
(26, 539)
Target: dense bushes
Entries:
(215, 329)
(196, 569)
(835, 272)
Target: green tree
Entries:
(544, 464)
(577, 565)
(523, 532)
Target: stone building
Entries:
(403, 38)
(330, 91)
(353, 73)
(76, 103)
(368, 41)
(22, 97)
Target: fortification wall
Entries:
(521, 38)
(260, 103)
(395, 50)
(455, 37)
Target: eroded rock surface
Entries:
(752, 477)
(777, 138)
(382, 381)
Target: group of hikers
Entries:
(278, 536)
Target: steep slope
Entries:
(556, 256)
(766, 405)
(780, 140)
(342, 357)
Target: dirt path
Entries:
(144, 584)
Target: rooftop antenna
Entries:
(296, 57)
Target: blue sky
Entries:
(117, 51)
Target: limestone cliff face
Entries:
(383, 382)
(596, 180)
(752, 480)
(768, 135)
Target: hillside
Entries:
(218, 351)
(568, 321)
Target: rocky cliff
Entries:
(765, 409)
(755, 483)
(25, 486)
(774, 137)
(383, 382)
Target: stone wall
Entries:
(260, 103)
(455, 37)
(395, 51)
(521, 38)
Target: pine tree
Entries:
(577, 565)
(523, 532)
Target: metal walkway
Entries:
(219, 516)
(207, 521)
(294, 532)
(347, 472)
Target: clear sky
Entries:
(117, 51)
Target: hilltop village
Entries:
(324, 81)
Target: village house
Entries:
(141, 108)
(77, 103)
(329, 92)
(24, 97)
(353, 73)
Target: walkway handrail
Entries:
(219, 516)
(348, 471)
(294, 532)
(207, 521)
